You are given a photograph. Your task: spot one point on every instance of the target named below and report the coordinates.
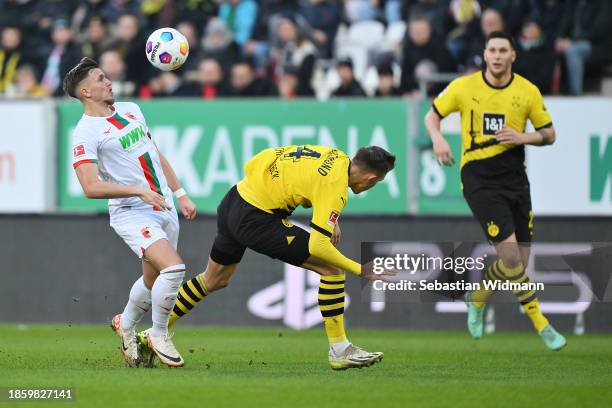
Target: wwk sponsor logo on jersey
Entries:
(132, 139)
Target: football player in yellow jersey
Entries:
(494, 105)
(253, 214)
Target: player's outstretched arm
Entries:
(441, 148)
(188, 208)
(93, 187)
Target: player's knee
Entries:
(329, 270)
(511, 265)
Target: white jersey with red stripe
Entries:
(122, 146)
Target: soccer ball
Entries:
(167, 49)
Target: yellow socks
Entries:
(189, 294)
(481, 296)
(331, 304)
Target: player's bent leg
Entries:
(216, 276)
(508, 259)
(342, 354)
(512, 266)
(163, 257)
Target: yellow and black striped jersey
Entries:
(485, 109)
(279, 179)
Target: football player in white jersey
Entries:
(115, 158)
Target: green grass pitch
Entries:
(230, 367)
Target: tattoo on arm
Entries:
(546, 136)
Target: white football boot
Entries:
(129, 344)
(165, 350)
(353, 357)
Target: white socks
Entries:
(163, 295)
(138, 304)
(338, 348)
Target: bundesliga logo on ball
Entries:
(167, 49)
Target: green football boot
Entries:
(552, 338)
(475, 320)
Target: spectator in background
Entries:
(295, 51)
(584, 35)
(535, 56)
(211, 80)
(422, 47)
(264, 34)
(361, 10)
(114, 68)
(435, 11)
(239, 16)
(549, 13)
(11, 55)
(63, 56)
(26, 85)
(189, 30)
(169, 84)
(97, 39)
(349, 86)
(393, 11)
(219, 44)
(323, 18)
(490, 21)
(129, 45)
(288, 83)
(386, 83)
(513, 12)
(466, 18)
(197, 12)
(87, 11)
(244, 83)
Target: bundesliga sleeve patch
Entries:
(333, 218)
(79, 150)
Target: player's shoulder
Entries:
(467, 80)
(127, 107)
(524, 83)
(86, 128)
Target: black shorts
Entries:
(502, 211)
(241, 225)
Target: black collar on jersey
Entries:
(484, 78)
(349, 169)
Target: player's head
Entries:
(369, 166)
(88, 83)
(499, 53)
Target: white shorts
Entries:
(141, 228)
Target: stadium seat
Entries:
(366, 34)
(394, 35)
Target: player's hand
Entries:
(188, 208)
(386, 275)
(509, 136)
(156, 200)
(443, 153)
(335, 238)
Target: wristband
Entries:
(180, 192)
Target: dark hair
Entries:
(74, 77)
(500, 34)
(375, 158)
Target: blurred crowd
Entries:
(301, 48)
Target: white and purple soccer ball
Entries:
(167, 49)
